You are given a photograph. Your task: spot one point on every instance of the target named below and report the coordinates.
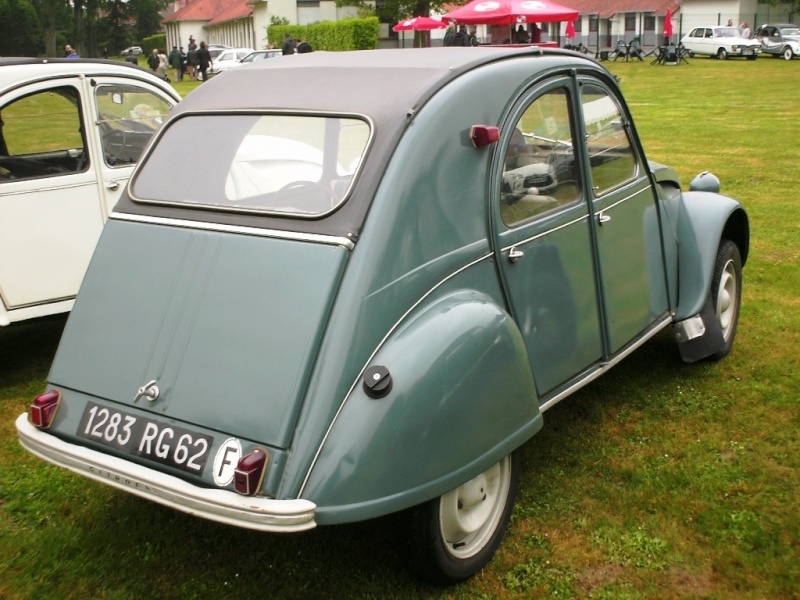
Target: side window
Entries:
(41, 135)
(127, 118)
(611, 157)
(540, 173)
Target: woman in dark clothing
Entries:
(203, 60)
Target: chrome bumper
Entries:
(250, 512)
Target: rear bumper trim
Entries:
(223, 506)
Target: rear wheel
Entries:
(453, 537)
(722, 54)
(726, 293)
(787, 53)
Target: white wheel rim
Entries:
(470, 514)
(726, 299)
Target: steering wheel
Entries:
(114, 142)
(310, 186)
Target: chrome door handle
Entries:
(514, 255)
(603, 218)
(112, 185)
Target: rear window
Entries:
(297, 165)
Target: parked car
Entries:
(367, 300)
(779, 39)
(215, 49)
(226, 59)
(720, 42)
(258, 55)
(72, 133)
(135, 50)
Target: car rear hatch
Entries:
(226, 323)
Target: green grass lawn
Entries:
(660, 480)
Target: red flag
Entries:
(570, 29)
(668, 24)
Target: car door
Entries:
(578, 238)
(50, 209)
(544, 236)
(624, 220)
(127, 113)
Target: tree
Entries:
(147, 15)
(20, 29)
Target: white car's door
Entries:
(51, 212)
(127, 115)
(70, 147)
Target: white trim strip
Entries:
(542, 234)
(374, 352)
(603, 367)
(330, 240)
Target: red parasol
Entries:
(419, 24)
(506, 12)
(668, 24)
(570, 29)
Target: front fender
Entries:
(705, 218)
(462, 397)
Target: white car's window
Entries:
(289, 164)
(127, 117)
(42, 135)
(611, 157)
(539, 169)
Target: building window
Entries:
(593, 24)
(630, 22)
(649, 23)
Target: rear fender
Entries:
(462, 397)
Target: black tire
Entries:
(726, 293)
(722, 54)
(446, 562)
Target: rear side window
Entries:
(287, 164)
(42, 135)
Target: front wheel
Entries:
(787, 53)
(726, 293)
(453, 537)
(722, 54)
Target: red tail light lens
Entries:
(43, 409)
(483, 135)
(249, 473)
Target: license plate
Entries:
(747, 52)
(145, 437)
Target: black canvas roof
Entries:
(386, 86)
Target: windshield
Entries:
(286, 164)
(727, 32)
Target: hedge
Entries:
(348, 34)
(155, 41)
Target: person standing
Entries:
(176, 62)
(191, 62)
(130, 57)
(152, 60)
(304, 47)
(744, 30)
(69, 52)
(203, 60)
(288, 44)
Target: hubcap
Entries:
(726, 299)
(470, 514)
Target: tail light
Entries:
(43, 409)
(249, 472)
